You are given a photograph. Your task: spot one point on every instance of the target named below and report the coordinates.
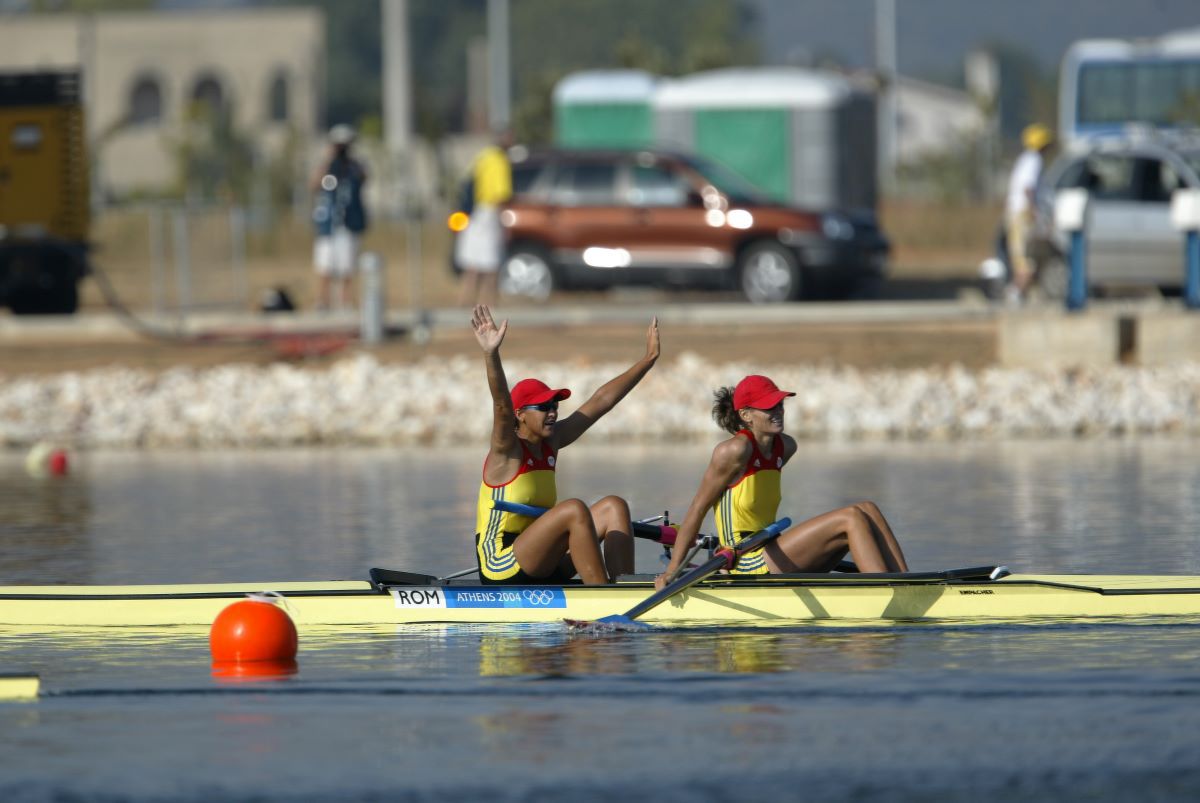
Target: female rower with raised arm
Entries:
(741, 484)
(519, 467)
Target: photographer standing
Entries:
(340, 219)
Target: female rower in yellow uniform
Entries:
(741, 485)
(526, 439)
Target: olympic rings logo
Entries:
(538, 596)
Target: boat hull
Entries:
(775, 599)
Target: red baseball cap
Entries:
(758, 392)
(535, 391)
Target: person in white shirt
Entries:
(1021, 207)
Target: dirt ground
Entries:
(906, 345)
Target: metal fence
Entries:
(197, 257)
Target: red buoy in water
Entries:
(57, 462)
(255, 629)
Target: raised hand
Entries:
(487, 333)
(653, 347)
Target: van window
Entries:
(657, 186)
(1106, 177)
(523, 177)
(1160, 179)
(585, 184)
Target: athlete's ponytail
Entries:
(723, 413)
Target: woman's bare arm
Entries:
(490, 336)
(727, 463)
(569, 429)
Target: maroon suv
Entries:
(596, 219)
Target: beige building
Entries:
(145, 72)
(933, 119)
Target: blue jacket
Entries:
(341, 206)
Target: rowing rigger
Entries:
(401, 598)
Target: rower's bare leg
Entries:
(888, 545)
(565, 527)
(614, 528)
(822, 541)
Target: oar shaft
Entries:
(711, 566)
(724, 558)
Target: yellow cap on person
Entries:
(1036, 136)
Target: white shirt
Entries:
(1024, 179)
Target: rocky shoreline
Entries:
(360, 401)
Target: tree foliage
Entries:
(215, 160)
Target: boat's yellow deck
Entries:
(1123, 582)
(1113, 582)
(187, 588)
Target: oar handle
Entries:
(518, 508)
(768, 533)
(662, 533)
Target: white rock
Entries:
(359, 401)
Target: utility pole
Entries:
(398, 140)
(397, 78)
(499, 81)
(885, 67)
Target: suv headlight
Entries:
(837, 227)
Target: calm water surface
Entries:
(1052, 710)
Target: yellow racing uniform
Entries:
(495, 530)
(750, 504)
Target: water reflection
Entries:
(719, 650)
(440, 657)
(564, 657)
(44, 526)
(254, 671)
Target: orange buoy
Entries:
(255, 629)
(57, 462)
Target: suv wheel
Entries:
(527, 272)
(770, 273)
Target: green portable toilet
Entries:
(604, 109)
(803, 137)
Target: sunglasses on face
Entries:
(544, 407)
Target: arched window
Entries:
(145, 101)
(208, 96)
(277, 98)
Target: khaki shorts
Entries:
(1019, 228)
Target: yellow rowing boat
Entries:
(399, 598)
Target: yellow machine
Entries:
(44, 217)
